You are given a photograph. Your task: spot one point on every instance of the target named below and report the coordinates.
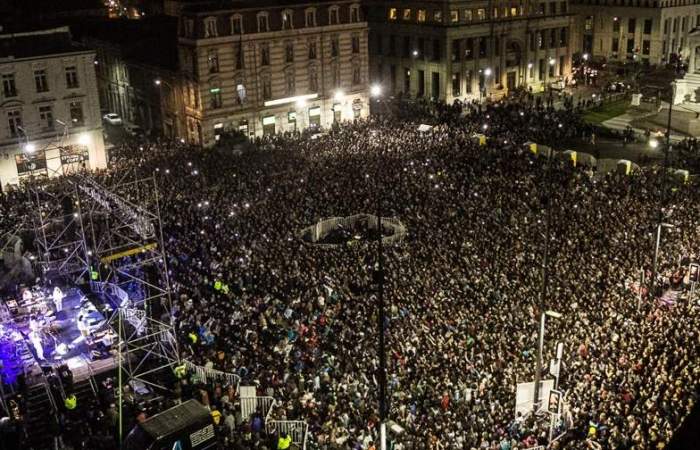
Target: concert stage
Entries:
(35, 335)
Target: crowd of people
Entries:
(464, 289)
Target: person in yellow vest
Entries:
(224, 288)
(217, 285)
(216, 416)
(70, 402)
(180, 371)
(284, 441)
(193, 337)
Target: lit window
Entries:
(392, 14)
(468, 15)
(287, 22)
(421, 15)
(454, 16)
(437, 16)
(407, 14)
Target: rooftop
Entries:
(38, 43)
(199, 6)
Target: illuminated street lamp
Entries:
(375, 90)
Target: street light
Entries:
(585, 56)
(157, 81)
(375, 90)
(540, 345)
(415, 53)
(487, 72)
(653, 143)
(83, 139)
(29, 147)
(339, 95)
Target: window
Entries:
(213, 61)
(552, 38)
(76, 114)
(616, 24)
(240, 92)
(684, 23)
(588, 24)
(355, 13)
(392, 14)
(675, 24)
(14, 122)
(468, 81)
(46, 117)
(437, 54)
(287, 19)
(312, 49)
(455, 85)
(40, 81)
(313, 80)
(356, 74)
(540, 72)
(421, 15)
(666, 22)
(406, 46)
(266, 87)
(215, 96)
(210, 27)
(562, 7)
(646, 47)
(467, 15)
(310, 17)
(289, 82)
(392, 45)
(630, 45)
(356, 44)
(289, 52)
(482, 47)
(481, 14)
(454, 16)
(647, 26)
(263, 25)
(238, 56)
(437, 16)
(406, 14)
(265, 54)
(236, 24)
(334, 47)
(551, 68)
(552, 8)
(513, 11)
(497, 45)
(335, 71)
(631, 25)
(8, 85)
(615, 45)
(562, 37)
(406, 80)
(72, 78)
(189, 27)
(562, 60)
(469, 48)
(540, 39)
(421, 83)
(333, 15)
(455, 50)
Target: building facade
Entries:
(468, 49)
(51, 120)
(269, 68)
(648, 31)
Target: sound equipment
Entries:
(187, 426)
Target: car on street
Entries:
(112, 119)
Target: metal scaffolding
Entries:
(127, 262)
(108, 230)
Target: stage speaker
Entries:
(187, 426)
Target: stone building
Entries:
(648, 31)
(468, 49)
(268, 66)
(50, 109)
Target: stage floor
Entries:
(60, 340)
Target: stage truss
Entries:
(108, 231)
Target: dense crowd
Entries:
(464, 289)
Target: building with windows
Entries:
(268, 66)
(468, 49)
(137, 72)
(648, 31)
(50, 109)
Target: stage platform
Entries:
(35, 336)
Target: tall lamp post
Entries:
(482, 89)
(540, 346)
(376, 92)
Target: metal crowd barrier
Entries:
(249, 405)
(297, 429)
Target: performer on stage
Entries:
(83, 326)
(38, 347)
(58, 299)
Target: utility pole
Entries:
(662, 202)
(545, 280)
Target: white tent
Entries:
(423, 128)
